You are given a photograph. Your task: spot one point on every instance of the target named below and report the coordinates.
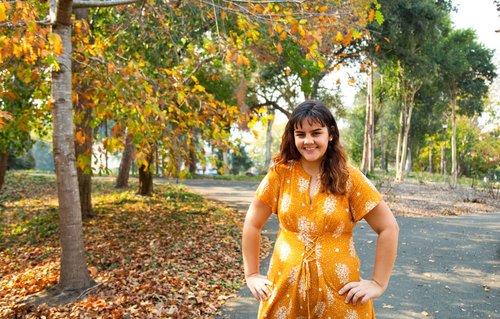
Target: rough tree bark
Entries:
(4, 157)
(74, 275)
(146, 176)
(124, 170)
(192, 161)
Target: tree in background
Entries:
(406, 42)
(466, 70)
(24, 56)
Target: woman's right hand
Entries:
(259, 286)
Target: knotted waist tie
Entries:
(309, 255)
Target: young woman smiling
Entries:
(318, 197)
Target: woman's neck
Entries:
(311, 168)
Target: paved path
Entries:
(446, 268)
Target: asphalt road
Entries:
(446, 268)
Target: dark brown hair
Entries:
(334, 173)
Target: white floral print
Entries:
(319, 309)
(303, 184)
(370, 205)
(349, 184)
(281, 313)
(285, 202)
(352, 249)
(329, 296)
(342, 271)
(351, 314)
(338, 231)
(284, 251)
(306, 228)
(292, 277)
(329, 205)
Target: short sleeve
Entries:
(362, 194)
(268, 191)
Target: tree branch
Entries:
(101, 3)
(8, 24)
(274, 105)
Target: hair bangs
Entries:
(311, 117)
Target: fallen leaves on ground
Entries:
(173, 255)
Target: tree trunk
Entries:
(192, 160)
(157, 161)
(443, 159)
(408, 163)
(371, 135)
(74, 275)
(146, 176)
(124, 170)
(83, 147)
(225, 162)
(404, 146)
(269, 142)
(4, 158)
(431, 160)
(402, 116)
(454, 172)
(106, 134)
(368, 143)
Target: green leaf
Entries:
(379, 17)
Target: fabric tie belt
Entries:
(309, 255)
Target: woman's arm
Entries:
(382, 221)
(257, 215)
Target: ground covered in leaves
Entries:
(173, 255)
(431, 199)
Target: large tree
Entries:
(466, 70)
(407, 38)
(25, 23)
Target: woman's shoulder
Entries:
(352, 170)
(284, 168)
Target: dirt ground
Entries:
(426, 199)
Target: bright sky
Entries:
(482, 16)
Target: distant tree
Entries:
(466, 70)
(407, 38)
(240, 160)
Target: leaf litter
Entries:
(173, 255)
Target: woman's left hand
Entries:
(363, 290)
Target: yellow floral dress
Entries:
(314, 254)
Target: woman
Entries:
(318, 197)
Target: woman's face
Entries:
(311, 140)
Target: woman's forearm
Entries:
(251, 248)
(385, 255)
